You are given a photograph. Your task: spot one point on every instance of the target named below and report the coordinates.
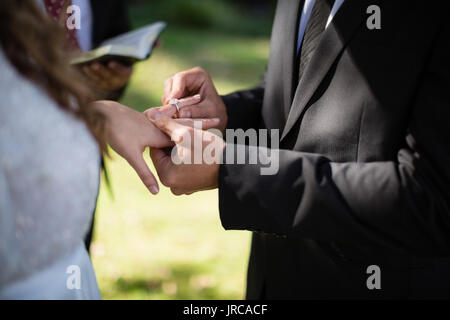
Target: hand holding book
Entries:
(109, 66)
(111, 76)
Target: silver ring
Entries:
(176, 103)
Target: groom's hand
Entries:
(192, 82)
(188, 167)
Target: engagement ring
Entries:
(175, 102)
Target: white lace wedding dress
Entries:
(49, 175)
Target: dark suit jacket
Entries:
(364, 173)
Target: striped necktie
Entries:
(314, 29)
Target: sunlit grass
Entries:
(167, 247)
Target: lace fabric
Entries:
(49, 175)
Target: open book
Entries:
(127, 48)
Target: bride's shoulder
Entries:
(31, 123)
(29, 115)
(19, 94)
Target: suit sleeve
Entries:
(244, 107)
(403, 203)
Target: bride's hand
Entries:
(129, 133)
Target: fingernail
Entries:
(215, 119)
(154, 189)
(197, 96)
(156, 115)
(185, 114)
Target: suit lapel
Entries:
(350, 16)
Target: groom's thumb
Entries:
(170, 127)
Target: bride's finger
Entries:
(140, 166)
(168, 111)
(185, 102)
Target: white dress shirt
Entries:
(306, 14)
(84, 35)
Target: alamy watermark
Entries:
(374, 20)
(73, 17)
(243, 147)
(374, 280)
(73, 281)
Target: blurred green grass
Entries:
(167, 247)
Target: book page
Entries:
(136, 44)
(140, 39)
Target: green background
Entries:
(168, 247)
